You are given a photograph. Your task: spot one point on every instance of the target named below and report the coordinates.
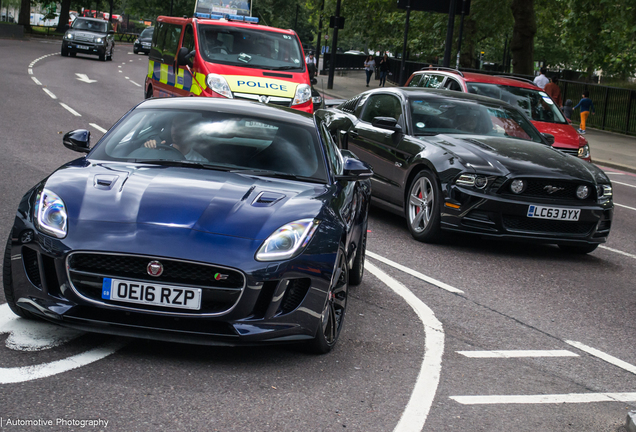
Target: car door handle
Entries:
(353, 134)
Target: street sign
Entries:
(333, 19)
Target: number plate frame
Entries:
(553, 213)
(153, 294)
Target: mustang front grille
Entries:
(550, 189)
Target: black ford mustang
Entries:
(449, 161)
(196, 220)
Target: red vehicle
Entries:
(524, 94)
(229, 57)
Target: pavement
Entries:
(608, 149)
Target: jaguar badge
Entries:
(155, 268)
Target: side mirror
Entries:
(548, 137)
(78, 140)
(110, 32)
(354, 170)
(183, 56)
(386, 123)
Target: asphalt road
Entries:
(466, 335)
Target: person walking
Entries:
(312, 66)
(541, 80)
(567, 109)
(384, 69)
(587, 106)
(369, 65)
(554, 91)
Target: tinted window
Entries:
(171, 42)
(415, 82)
(156, 52)
(228, 141)
(247, 47)
(434, 81)
(147, 33)
(451, 84)
(535, 103)
(382, 105)
(333, 154)
(431, 117)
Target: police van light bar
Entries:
(253, 20)
(236, 17)
(216, 16)
(201, 15)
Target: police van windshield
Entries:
(254, 48)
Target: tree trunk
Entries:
(467, 55)
(25, 14)
(63, 20)
(522, 45)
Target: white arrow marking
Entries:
(84, 78)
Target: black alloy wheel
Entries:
(7, 281)
(423, 207)
(335, 307)
(357, 269)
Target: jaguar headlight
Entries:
(50, 214)
(303, 94)
(219, 85)
(288, 240)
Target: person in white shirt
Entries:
(312, 66)
(541, 80)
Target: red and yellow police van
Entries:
(227, 56)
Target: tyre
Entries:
(7, 281)
(64, 52)
(135, 50)
(423, 207)
(357, 269)
(578, 249)
(109, 57)
(102, 56)
(149, 93)
(333, 313)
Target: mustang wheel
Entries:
(422, 207)
(335, 307)
(8, 284)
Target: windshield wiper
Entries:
(286, 68)
(268, 173)
(183, 163)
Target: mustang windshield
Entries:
(217, 141)
(451, 116)
(254, 48)
(535, 103)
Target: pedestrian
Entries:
(541, 80)
(312, 67)
(369, 65)
(567, 109)
(587, 107)
(554, 91)
(384, 69)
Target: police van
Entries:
(228, 56)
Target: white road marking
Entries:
(49, 92)
(416, 411)
(618, 251)
(603, 356)
(624, 206)
(614, 173)
(120, 72)
(624, 184)
(36, 80)
(138, 85)
(417, 274)
(99, 128)
(84, 78)
(30, 71)
(127, 78)
(518, 353)
(71, 110)
(546, 399)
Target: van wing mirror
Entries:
(184, 56)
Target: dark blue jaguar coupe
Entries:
(199, 221)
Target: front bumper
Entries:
(140, 47)
(279, 301)
(88, 48)
(506, 217)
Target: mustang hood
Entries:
(203, 200)
(507, 156)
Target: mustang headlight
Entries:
(604, 191)
(219, 85)
(50, 214)
(287, 240)
(472, 180)
(303, 94)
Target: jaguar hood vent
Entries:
(266, 199)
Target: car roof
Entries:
(429, 93)
(484, 78)
(91, 19)
(230, 106)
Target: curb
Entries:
(631, 421)
(614, 165)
